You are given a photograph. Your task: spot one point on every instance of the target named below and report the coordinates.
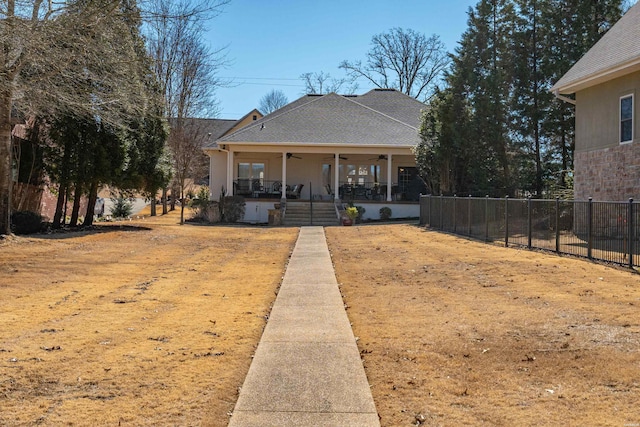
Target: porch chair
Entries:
(294, 193)
(242, 187)
(276, 189)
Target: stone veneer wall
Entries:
(610, 174)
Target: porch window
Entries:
(626, 118)
(251, 171)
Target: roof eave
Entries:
(320, 144)
(603, 76)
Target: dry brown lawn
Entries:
(134, 326)
(457, 332)
(152, 323)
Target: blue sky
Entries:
(272, 42)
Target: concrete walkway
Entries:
(307, 368)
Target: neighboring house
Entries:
(210, 130)
(606, 84)
(323, 148)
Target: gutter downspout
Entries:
(556, 93)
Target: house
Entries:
(209, 130)
(606, 85)
(324, 148)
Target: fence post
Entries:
(310, 204)
(630, 238)
(455, 217)
(429, 209)
(557, 224)
(486, 218)
(441, 209)
(590, 229)
(529, 231)
(469, 214)
(506, 221)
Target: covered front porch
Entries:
(303, 173)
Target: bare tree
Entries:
(404, 60)
(186, 69)
(70, 57)
(321, 83)
(185, 144)
(272, 101)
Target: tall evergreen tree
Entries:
(519, 137)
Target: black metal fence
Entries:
(607, 231)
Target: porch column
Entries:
(336, 177)
(229, 172)
(389, 178)
(283, 197)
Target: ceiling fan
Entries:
(380, 157)
(333, 157)
(290, 155)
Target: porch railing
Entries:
(368, 191)
(257, 188)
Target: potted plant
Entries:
(351, 213)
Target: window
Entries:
(251, 171)
(626, 118)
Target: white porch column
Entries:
(230, 172)
(389, 177)
(336, 177)
(284, 176)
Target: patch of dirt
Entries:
(457, 332)
(150, 323)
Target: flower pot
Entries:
(347, 221)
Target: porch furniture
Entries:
(276, 190)
(346, 191)
(329, 190)
(294, 193)
(242, 187)
(256, 188)
(360, 192)
(395, 190)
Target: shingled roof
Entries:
(385, 118)
(616, 54)
(394, 104)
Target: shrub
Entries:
(26, 222)
(361, 211)
(351, 212)
(385, 213)
(203, 208)
(232, 208)
(122, 207)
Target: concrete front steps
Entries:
(299, 213)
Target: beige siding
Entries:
(597, 113)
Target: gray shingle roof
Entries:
(394, 104)
(617, 53)
(215, 127)
(335, 119)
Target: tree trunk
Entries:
(181, 206)
(5, 158)
(153, 205)
(77, 196)
(173, 198)
(62, 193)
(91, 205)
(164, 201)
